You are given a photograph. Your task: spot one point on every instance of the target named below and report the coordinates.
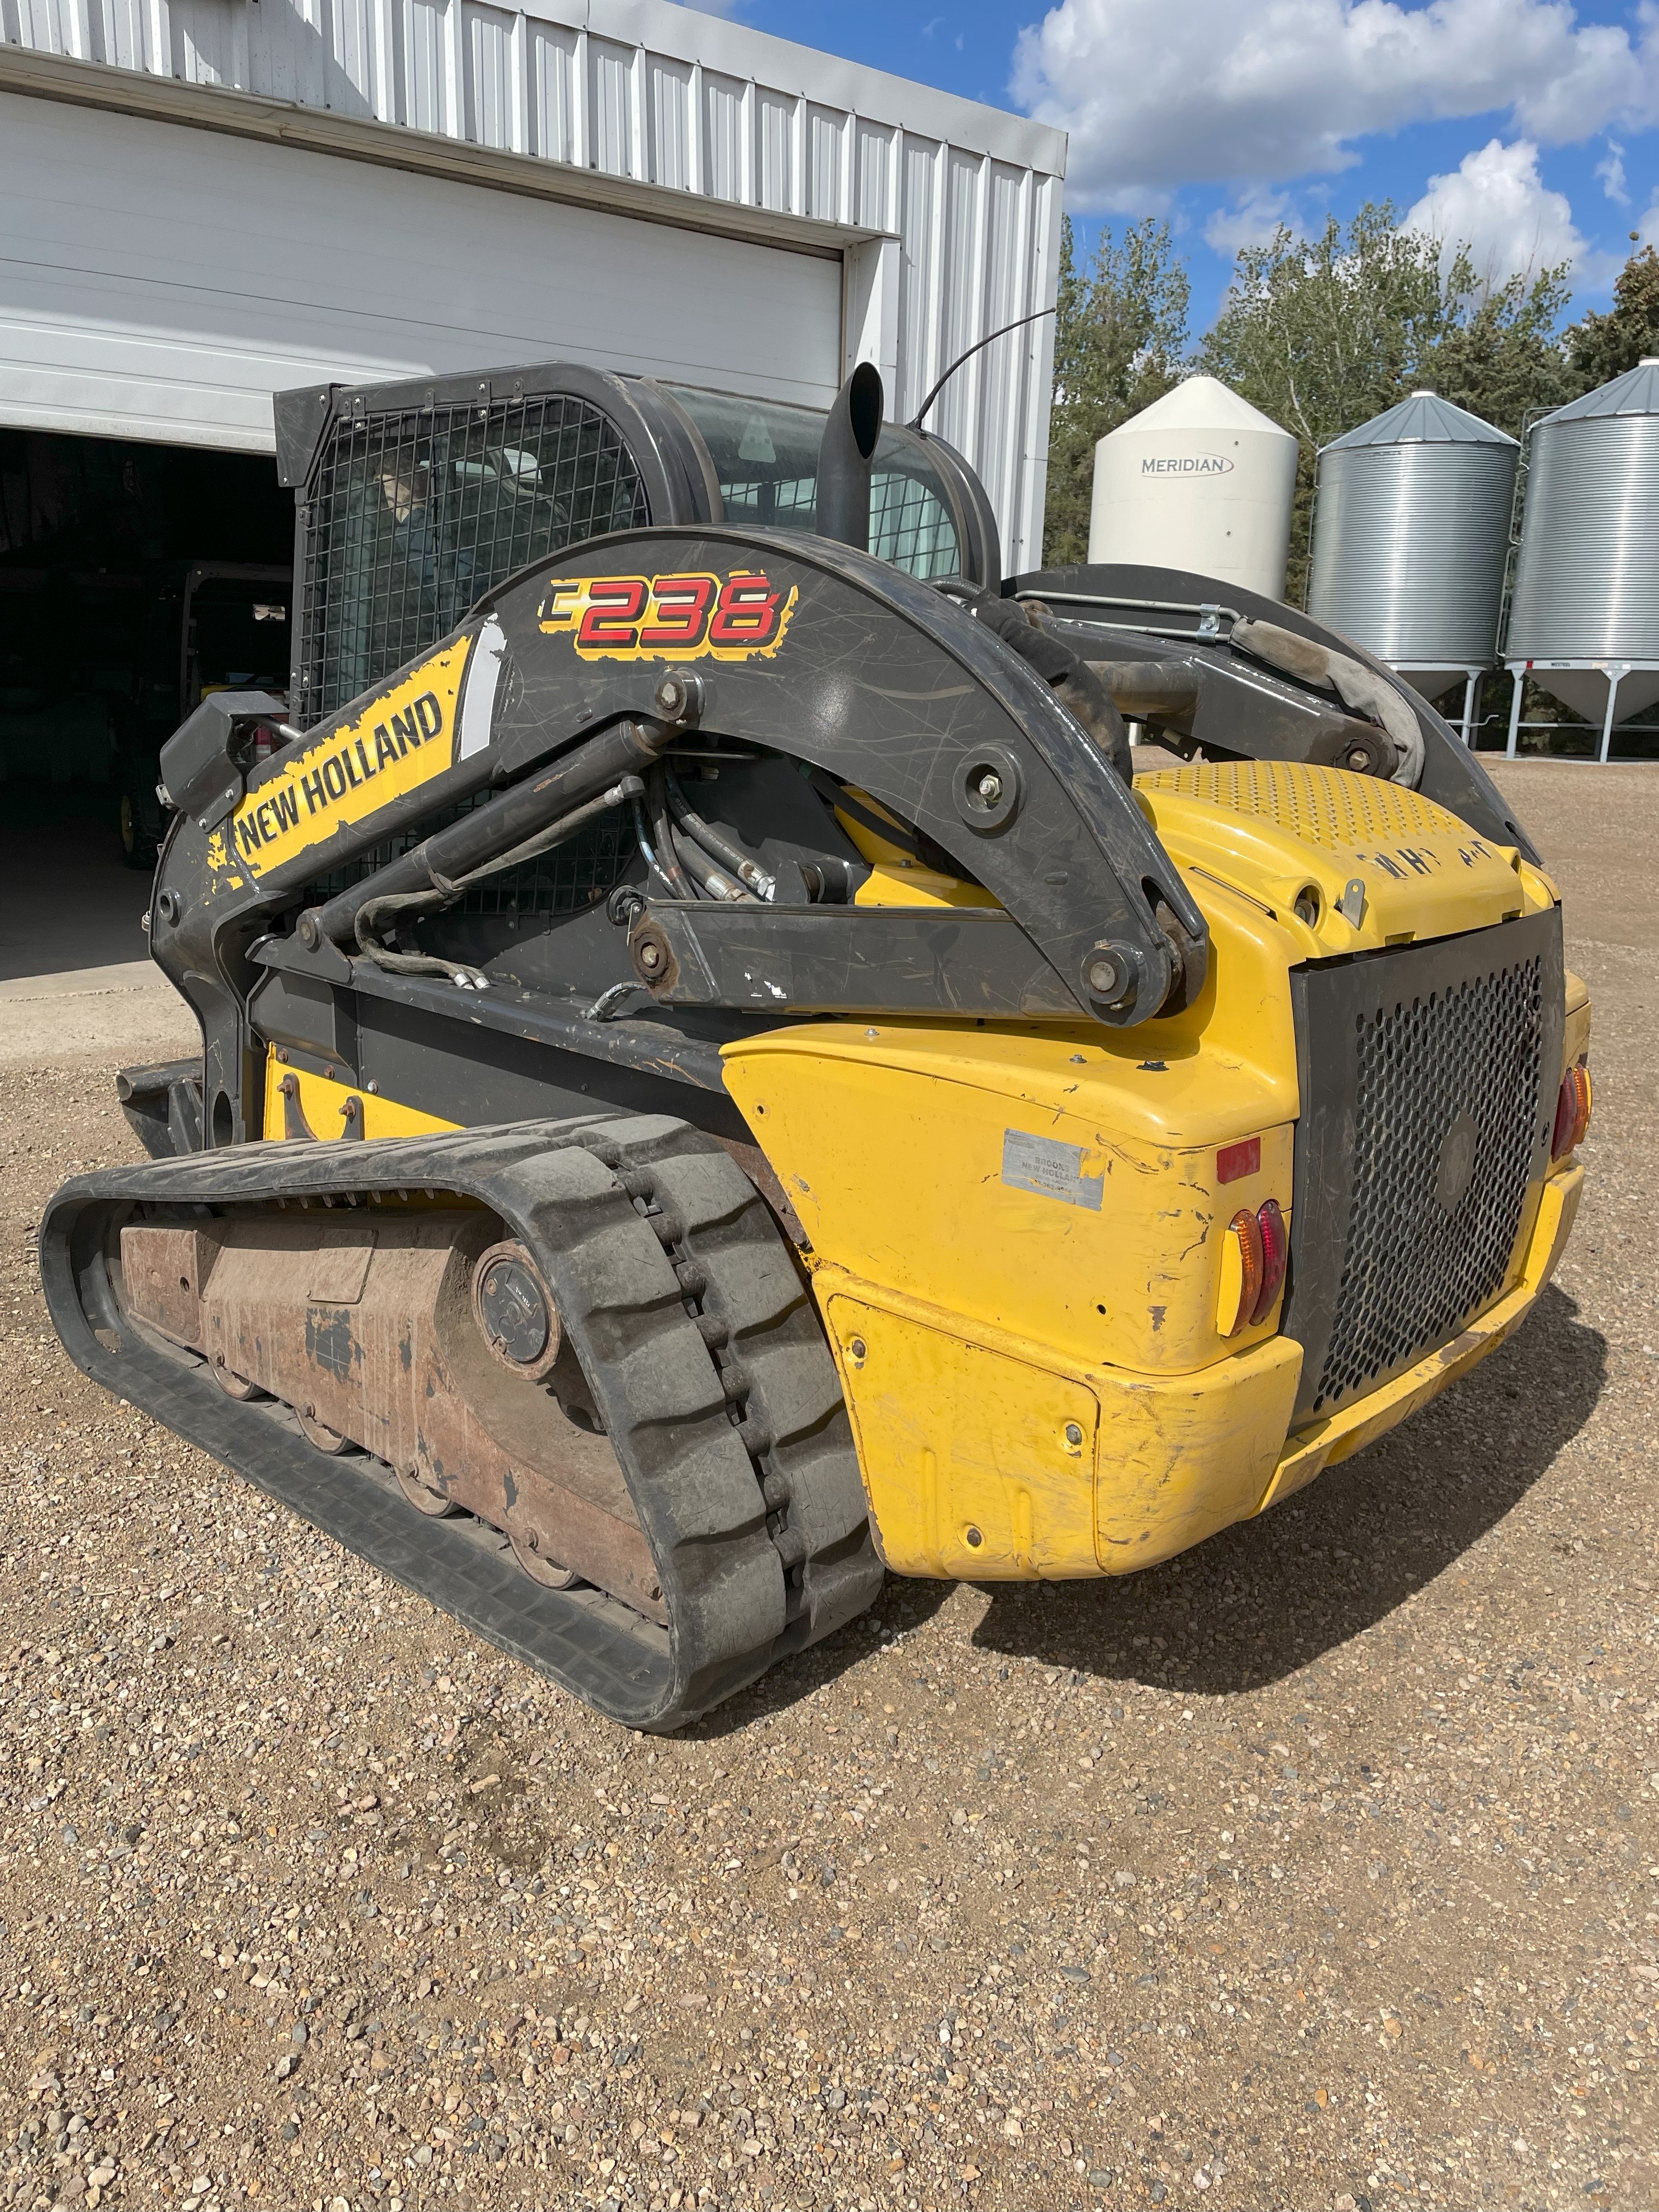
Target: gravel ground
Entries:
(1318, 1867)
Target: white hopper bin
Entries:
(1200, 480)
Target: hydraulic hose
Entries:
(715, 842)
(680, 885)
(712, 881)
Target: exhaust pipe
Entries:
(845, 452)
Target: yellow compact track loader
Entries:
(716, 1079)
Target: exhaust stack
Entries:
(845, 453)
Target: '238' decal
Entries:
(690, 617)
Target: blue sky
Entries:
(1529, 127)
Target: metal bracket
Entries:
(294, 1124)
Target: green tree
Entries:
(1322, 333)
(1120, 343)
(1601, 347)
(1500, 353)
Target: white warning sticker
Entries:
(1050, 1169)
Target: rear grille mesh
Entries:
(1436, 1073)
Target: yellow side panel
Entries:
(968, 1463)
(1576, 1041)
(904, 883)
(323, 1103)
(943, 1165)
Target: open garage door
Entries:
(162, 282)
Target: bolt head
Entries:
(1104, 975)
(1073, 1434)
(990, 787)
(650, 956)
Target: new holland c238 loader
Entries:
(716, 1080)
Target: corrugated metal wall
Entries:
(663, 96)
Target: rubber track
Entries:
(698, 1341)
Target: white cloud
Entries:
(1251, 220)
(1159, 94)
(1497, 204)
(1611, 170)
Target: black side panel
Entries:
(1428, 1095)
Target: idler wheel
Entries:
(319, 1434)
(234, 1386)
(536, 1564)
(517, 1318)
(421, 1498)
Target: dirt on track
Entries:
(1317, 1867)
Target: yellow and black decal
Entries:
(400, 740)
(696, 616)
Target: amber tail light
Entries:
(1572, 1112)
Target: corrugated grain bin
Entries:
(1411, 534)
(1587, 583)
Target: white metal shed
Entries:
(207, 201)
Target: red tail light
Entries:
(1252, 1262)
(1275, 1252)
(1572, 1112)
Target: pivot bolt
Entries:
(679, 697)
(1103, 973)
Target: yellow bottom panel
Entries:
(1182, 1456)
(976, 1462)
(986, 1457)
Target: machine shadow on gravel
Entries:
(1269, 1596)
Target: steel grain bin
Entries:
(1587, 583)
(1411, 534)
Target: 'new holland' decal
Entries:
(400, 740)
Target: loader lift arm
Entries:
(569, 677)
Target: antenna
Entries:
(978, 346)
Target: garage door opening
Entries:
(134, 579)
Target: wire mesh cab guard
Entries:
(415, 498)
